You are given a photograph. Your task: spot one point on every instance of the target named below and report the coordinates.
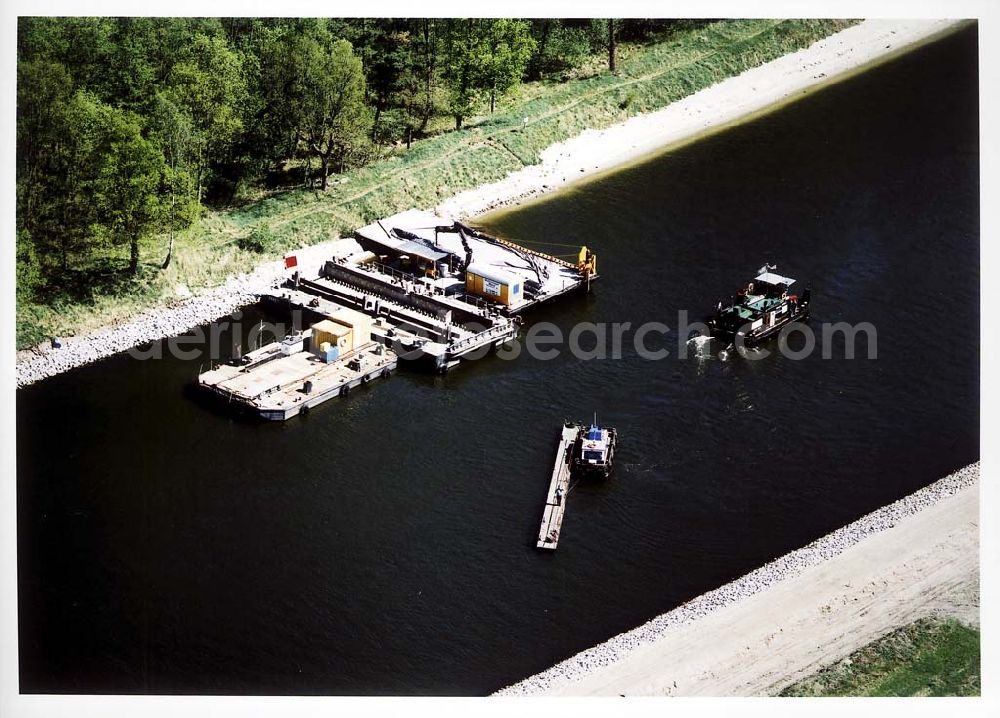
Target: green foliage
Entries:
(560, 45)
(507, 48)
(29, 273)
(386, 54)
(261, 240)
(392, 127)
(83, 45)
(131, 61)
(314, 89)
(54, 140)
(197, 109)
(128, 177)
(207, 84)
(485, 57)
(170, 128)
(44, 88)
(925, 658)
(462, 58)
(330, 87)
(88, 178)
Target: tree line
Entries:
(127, 127)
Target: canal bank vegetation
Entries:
(927, 658)
(159, 156)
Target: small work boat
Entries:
(594, 450)
(760, 309)
(582, 450)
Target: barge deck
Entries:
(277, 385)
(279, 391)
(555, 500)
(415, 326)
(462, 261)
(414, 287)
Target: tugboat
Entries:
(760, 309)
(594, 450)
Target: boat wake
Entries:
(701, 345)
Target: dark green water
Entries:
(382, 544)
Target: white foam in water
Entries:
(701, 345)
(752, 354)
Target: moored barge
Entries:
(414, 288)
(583, 450)
(289, 377)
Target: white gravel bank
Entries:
(562, 677)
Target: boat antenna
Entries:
(595, 418)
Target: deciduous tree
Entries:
(484, 56)
(330, 88)
(209, 85)
(128, 181)
(506, 48)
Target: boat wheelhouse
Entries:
(594, 452)
(760, 309)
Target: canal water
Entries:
(383, 543)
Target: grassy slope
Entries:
(486, 150)
(926, 658)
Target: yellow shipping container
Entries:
(360, 323)
(334, 334)
(493, 284)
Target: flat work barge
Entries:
(432, 329)
(419, 288)
(289, 377)
(439, 291)
(462, 262)
(555, 499)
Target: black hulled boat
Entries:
(760, 309)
